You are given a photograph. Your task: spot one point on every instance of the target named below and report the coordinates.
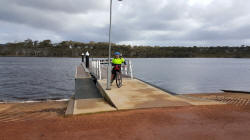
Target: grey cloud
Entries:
(30, 17)
(239, 33)
(15, 32)
(22, 12)
(140, 21)
(67, 6)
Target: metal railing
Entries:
(95, 69)
(99, 67)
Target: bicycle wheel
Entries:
(118, 79)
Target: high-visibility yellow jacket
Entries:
(118, 61)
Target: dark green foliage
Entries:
(100, 49)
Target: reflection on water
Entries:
(32, 78)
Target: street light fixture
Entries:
(109, 64)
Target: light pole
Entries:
(109, 64)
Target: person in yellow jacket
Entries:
(116, 63)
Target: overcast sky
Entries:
(135, 22)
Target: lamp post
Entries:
(109, 64)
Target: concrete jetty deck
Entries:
(134, 94)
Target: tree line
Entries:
(46, 48)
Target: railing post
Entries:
(126, 69)
(96, 69)
(91, 67)
(122, 69)
(100, 70)
(131, 71)
(94, 65)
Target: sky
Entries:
(134, 22)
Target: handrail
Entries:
(97, 66)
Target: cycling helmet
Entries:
(116, 53)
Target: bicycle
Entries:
(118, 76)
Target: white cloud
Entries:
(199, 2)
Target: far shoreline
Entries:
(126, 57)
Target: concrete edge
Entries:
(76, 72)
(76, 112)
(104, 94)
(236, 91)
(85, 69)
(70, 108)
(167, 91)
(204, 101)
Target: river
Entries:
(36, 78)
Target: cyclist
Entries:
(116, 62)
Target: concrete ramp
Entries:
(87, 98)
(85, 87)
(88, 106)
(135, 94)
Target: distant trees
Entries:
(46, 48)
(28, 43)
(45, 43)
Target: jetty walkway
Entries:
(91, 95)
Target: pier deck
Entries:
(134, 94)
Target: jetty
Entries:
(91, 95)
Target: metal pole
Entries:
(109, 65)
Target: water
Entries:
(195, 75)
(33, 78)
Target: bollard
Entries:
(87, 59)
(82, 57)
